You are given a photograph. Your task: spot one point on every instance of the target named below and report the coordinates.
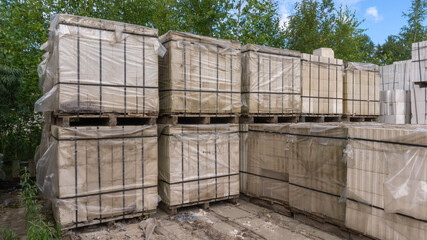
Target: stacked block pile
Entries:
(200, 78)
(96, 172)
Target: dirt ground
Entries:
(12, 214)
(221, 221)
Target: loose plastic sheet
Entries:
(95, 66)
(322, 85)
(395, 106)
(271, 81)
(198, 163)
(92, 173)
(386, 178)
(264, 161)
(199, 75)
(361, 89)
(317, 170)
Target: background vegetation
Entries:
(315, 23)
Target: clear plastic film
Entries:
(92, 173)
(271, 81)
(317, 170)
(198, 163)
(397, 76)
(199, 75)
(99, 66)
(361, 94)
(385, 178)
(264, 165)
(322, 85)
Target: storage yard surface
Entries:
(222, 220)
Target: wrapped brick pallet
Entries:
(317, 172)
(99, 66)
(270, 80)
(199, 75)
(361, 94)
(264, 162)
(322, 85)
(198, 163)
(94, 174)
(386, 178)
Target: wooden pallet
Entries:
(173, 210)
(108, 219)
(248, 119)
(350, 118)
(274, 205)
(110, 119)
(198, 119)
(321, 118)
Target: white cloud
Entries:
(372, 12)
(286, 8)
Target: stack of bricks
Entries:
(100, 80)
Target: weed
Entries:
(7, 234)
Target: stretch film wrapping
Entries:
(99, 66)
(198, 163)
(322, 85)
(93, 173)
(199, 75)
(361, 94)
(395, 106)
(264, 165)
(396, 76)
(317, 170)
(386, 181)
(270, 80)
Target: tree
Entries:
(415, 30)
(392, 50)
(318, 24)
(260, 24)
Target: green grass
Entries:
(37, 226)
(7, 234)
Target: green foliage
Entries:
(398, 48)
(318, 24)
(8, 234)
(260, 24)
(37, 225)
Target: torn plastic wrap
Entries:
(198, 163)
(317, 170)
(386, 172)
(322, 85)
(361, 94)
(99, 66)
(271, 81)
(264, 165)
(93, 173)
(199, 75)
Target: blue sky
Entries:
(382, 17)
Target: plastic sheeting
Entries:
(265, 161)
(271, 81)
(317, 170)
(361, 94)
(386, 179)
(93, 173)
(199, 75)
(322, 85)
(99, 66)
(198, 163)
